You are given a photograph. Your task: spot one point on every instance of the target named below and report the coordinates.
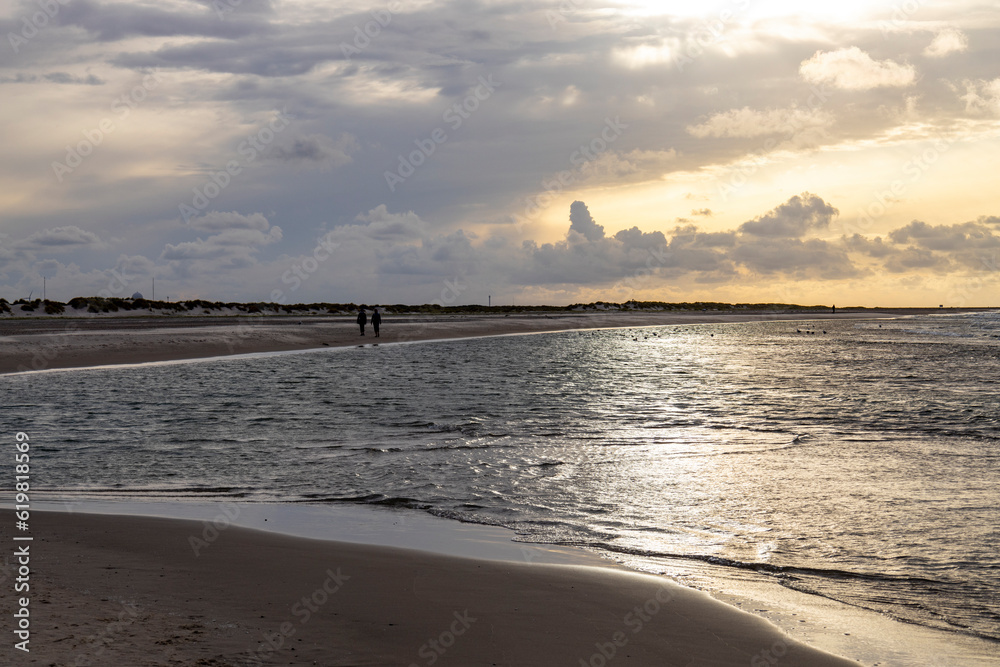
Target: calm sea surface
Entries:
(861, 463)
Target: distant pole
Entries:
(43, 289)
(489, 301)
(153, 297)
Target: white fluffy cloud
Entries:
(982, 96)
(950, 40)
(853, 69)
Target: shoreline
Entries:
(114, 589)
(62, 343)
(833, 628)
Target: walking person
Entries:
(376, 320)
(362, 320)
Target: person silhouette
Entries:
(376, 320)
(362, 320)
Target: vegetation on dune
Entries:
(110, 305)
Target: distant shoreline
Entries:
(48, 342)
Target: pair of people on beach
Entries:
(363, 320)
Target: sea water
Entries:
(856, 460)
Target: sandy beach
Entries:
(47, 343)
(109, 590)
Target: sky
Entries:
(459, 152)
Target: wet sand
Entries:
(47, 343)
(124, 590)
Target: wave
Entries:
(369, 499)
(766, 568)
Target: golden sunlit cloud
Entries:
(853, 69)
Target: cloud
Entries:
(381, 225)
(793, 219)
(111, 22)
(69, 237)
(982, 96)
(963, 236)
(747, 122)
(434, 257)
(768, 245)
(875, 247)
(794, 258)
(319, 149)
(947, 41)
(853, 69)
(214, 221)
(55, 77)
(135, 264)
(972, 245)
(911, 259)
(582, 223)
(686, 123)
(238, 240)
